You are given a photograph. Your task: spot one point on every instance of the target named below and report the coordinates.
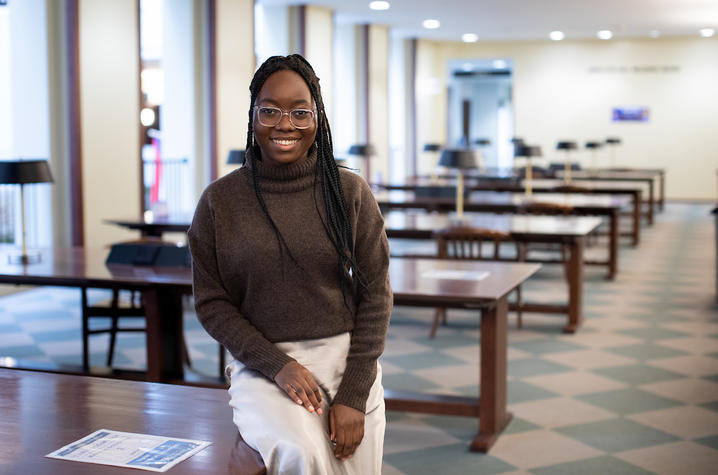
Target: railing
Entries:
(166, 182)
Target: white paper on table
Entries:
(126, 449)
(453, 274)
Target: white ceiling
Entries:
(528, 19)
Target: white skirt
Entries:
(292, 440)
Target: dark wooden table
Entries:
(515, 203)
(569, 231)
(161, 287)
(472, 183)
(414, 286)
(41, 412)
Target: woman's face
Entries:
(284, 144)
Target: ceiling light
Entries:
(467, 67)
(147, 117)
(379, 5)
(707, 32)
(605, 34)
(654, 33)
(431, 24)
(556, 35)
(499, 64)
(469, 37)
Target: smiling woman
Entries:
(290, 269)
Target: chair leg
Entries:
(114, 315)
(439, 315)
(85, 334)
(519, 304)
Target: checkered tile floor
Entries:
(635, 391)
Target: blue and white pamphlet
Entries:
(126, 449)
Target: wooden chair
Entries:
(539, 207)
(469, 243)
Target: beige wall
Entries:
(319, 51)
(235, 67)
(558, 94)
(109, 96)
(379, 100)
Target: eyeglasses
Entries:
(272, 116)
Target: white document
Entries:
(451, 274)
(125, 449)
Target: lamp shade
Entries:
(361, 149)
(527, 151)
(593, 144)
(613, 141)
(566, 145)
(482, 142)
(458, 158)
(25, 171)
(432, 147)
(235, 157)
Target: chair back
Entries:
(466, 242)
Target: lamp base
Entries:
(17, 257)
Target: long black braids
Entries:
(339, 227)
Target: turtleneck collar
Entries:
(285, 179)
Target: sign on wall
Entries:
(630, 114)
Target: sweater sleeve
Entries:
(371, 251)
(216, 310)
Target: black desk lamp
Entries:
(613, 142)
(235, 157)
(567, 146)
(593, 147)
(365, 151)
(432, 148)
(23, 172)
(528, 151)
(459, 159)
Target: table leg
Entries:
(651, 202)
(662, 192)
(574, 276)
(637, 211)
(493, 416)
(613, 244)
(163, 308)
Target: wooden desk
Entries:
(514, 203)
(42, 412)
(414, 287)
(161, 287)
(473, 183)
(570, 231)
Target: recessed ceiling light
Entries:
(469, 38)
(467, 67)
(654, 33)
(499, 64)
(379, 5)
(556, 35)
(707, 32)
(431, 24)
(605, 34)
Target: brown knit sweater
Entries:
(248, 297)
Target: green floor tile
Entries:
(454, 458)
(423, 360)
(638, 374)
(519, 391)
(407, 382)
(653, 333)
(21, 351)
(645, 351)
(711, 442)
(526, 367)
(606, 465)
(628, 401)
(616, 435)
(546, 346)
(462, 428)
(713, 406)
(517, 425)
(447, 337)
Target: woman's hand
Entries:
(298, 382)
(346, 429)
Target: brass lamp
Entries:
(613, 142)
(22, 172)
(528, 151)
(567, 146)
(593, 147)
(459, 159)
